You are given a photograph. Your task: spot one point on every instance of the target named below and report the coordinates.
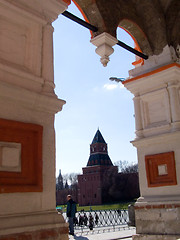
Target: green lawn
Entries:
(123, 205)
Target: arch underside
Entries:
(154, 24)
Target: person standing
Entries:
(91, 221)
(71, 212)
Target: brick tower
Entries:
(91, 181)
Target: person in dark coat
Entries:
(91, 221)
(71, 213)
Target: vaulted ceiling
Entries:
(153, 23)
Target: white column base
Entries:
(34, 224)
(155, 237)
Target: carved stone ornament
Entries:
(104, 43)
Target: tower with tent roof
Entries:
(90, 183)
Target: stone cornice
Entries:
(171, 136)
(46, 12)
(159, 77)
(31, 100)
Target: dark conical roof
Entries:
(99, 159)
(98, 152)
(98, 138)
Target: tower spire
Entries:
(98, 151)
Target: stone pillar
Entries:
(28, 106)
(157, 112)
(138, 118)
(47, 64)
(175, 105)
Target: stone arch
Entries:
(173, 16)
(147, 15)
(152, 22)
(82, 12)
(91, 14)
(140, 39)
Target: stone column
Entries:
(157, 112)
(28, 107)
(47, 61)
(138, 118)
(175, 105)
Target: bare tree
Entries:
(121, 186)
(126, 167)
(70, 186)
(70, 178)
(73, 178)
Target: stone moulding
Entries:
(153, 72)
(33, 225)
(53, 233)
(32, 100)
(154, 206)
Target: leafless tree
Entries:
(126, 167)
(121, 186)
(70, 186)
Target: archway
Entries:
(82, 79)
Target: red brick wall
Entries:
(90, 185)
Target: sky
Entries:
(92, 100)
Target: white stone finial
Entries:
(104, 43)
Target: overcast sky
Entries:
(92, 100)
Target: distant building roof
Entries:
(99, 159)
(98, 138)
